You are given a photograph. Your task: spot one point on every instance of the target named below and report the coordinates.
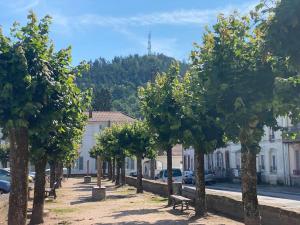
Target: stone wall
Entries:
(156, 187)
(225, 205)
(3, 207)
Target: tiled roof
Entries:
(115, 117)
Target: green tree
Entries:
(24, 85)
(140, 146)
(201, 125)
(102, 100)
(162, 113)
(241, 83)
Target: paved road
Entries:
(263, 190)
(283, 197)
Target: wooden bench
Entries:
(180, 200)
(51, 191)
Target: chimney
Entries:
(90, 113)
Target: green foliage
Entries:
(122, 140)
(201, 124)
(141, 141)
(239, 79)
(102, 100)
(283, 31)
(122, 76)
(160, 109)
(39, 91)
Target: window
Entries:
(189, 162)
(273, 168)
(80, 163)
(219, 160)
(262, 162)
(192, 164)
(184, 163)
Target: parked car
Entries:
(4, 186)
(191, 179)
(188, 177)
(4, 175)
(133, 174)
(176, 175)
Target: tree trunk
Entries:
(200, 198)
(99, 170)
(169, 170)
(103, 166)
(118, 172)
(18, 138)
(113, 169)
(139, 180)
(52, 173)
(109, 170)
(39, 191)
(59, 173)
(249, 191)
(152, 169)
(69, 171)
(123, 172)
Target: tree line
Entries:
(242, 77)
(41, 111)
(115, 82)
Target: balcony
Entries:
(273, 169)
(291, 134)
(296, 172)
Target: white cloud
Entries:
(177, 17)
(18, 6)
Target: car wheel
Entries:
(1, 192)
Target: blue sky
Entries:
(108, 28)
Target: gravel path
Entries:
(122, 206)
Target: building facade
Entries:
(278, 162)
(96, 123)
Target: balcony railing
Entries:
(273, 169)
(296, 172)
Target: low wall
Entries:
(233, 208)
(225, 205)
(3, 208)
(156, 187)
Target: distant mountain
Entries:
(115, 82)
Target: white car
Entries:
(176, 175)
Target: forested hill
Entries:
(115, 82)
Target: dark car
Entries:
(133, 174)
(4, 186)
(190, 178)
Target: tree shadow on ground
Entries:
(120, 196)
(134, 212)
(159, 222)
(178, 212)
(82, 200)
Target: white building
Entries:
(97, 121)
(274, 161)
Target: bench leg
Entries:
(182, 205)
(174, 204)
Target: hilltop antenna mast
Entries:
(149, 44)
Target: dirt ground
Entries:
(122, 206)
